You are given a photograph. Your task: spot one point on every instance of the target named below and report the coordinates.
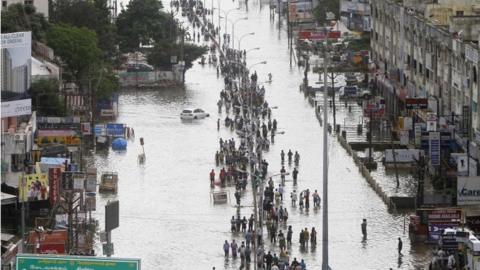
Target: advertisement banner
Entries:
(17, 108)
(468, 190)
(115, 130)
(439, 220)
(32, 261)
(54, 175)
(418, 134)
(416, 103)
(90, 203)
(85, 128)
(91, 183)
(57, 136)
(434, 143)
(33, 187)
(16, 62)
(402, 155)
(100, 130)
(73, 181)
(404, 137)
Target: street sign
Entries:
(416, 103)
(107, 249)
(434, 139)
(44, 262)
(115, 130)
(111, 215)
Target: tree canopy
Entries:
(18, 18)
(320, 12)
(45, 98)
(143, 22)
(77, 47)
(94, 15)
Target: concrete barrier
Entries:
(364, 171)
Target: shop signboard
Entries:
(418, 134)
(17, 108)
(404, 137)
(115, 130)
(402, 155)
(44, 262)
(33, 187)
(90, 203)
(54, 175)
(318, 35)
(57, 136)
(439, 220)
(91, 183)
(85, 128)
(73, 181)
(434, 140)
(416, 103)
(468, 190)
(100, 130)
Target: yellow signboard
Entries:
(33, 187)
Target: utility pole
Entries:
(333, 99)
(325, 168)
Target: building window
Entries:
(459, 13)
(28, 2)
(474, 74)
(376, 36)
(427, 73)
(4, 4)
(420, 68)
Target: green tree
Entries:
(77, 47)
(94, 15)
(17, 18)
(160, 54)
(46, 99)
(143, 22)
(320, 12)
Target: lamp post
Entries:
(240, 40)
(233, 29)
(226, 17)
(252, 49)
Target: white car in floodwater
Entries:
(189, 114)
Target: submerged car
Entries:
(188, 114)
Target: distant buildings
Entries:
(429, 49)
(355, 14)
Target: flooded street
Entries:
(167, 216)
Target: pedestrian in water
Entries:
(212, 178)
(289, 235)
(307, 199)
(303, 265)
(250, 223)
(364, 228)
(306, 236)
(226, 248)
(234, 247)
(272, 137)
(244, 224)
(316, 199)
(294, 175)
(218, 124)
(293, 197)
(237, 197)
(282, 156)
(313, 237)
(280, 190)
(282, 176)
(274, 125)
(400, 246)
(233, 224)
(290, 154)
(302, 239)
(285, 215)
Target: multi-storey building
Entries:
(428, 50)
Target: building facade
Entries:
(418, 55)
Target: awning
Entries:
(8, 199)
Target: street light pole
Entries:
(325, 167)
(240, 40)
(233, 30)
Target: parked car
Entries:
(189, 114)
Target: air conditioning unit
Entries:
(19, 137)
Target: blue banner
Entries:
(115, 130)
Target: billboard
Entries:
(33, 187)
(434, 140)
(54, 175)
(416, 103)
(16, 61)
(31, 261)
(57, 136)
(17, 107)
(115, 130)
(112, 211)
(318, 35)
(439, 220)
(468, 190)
